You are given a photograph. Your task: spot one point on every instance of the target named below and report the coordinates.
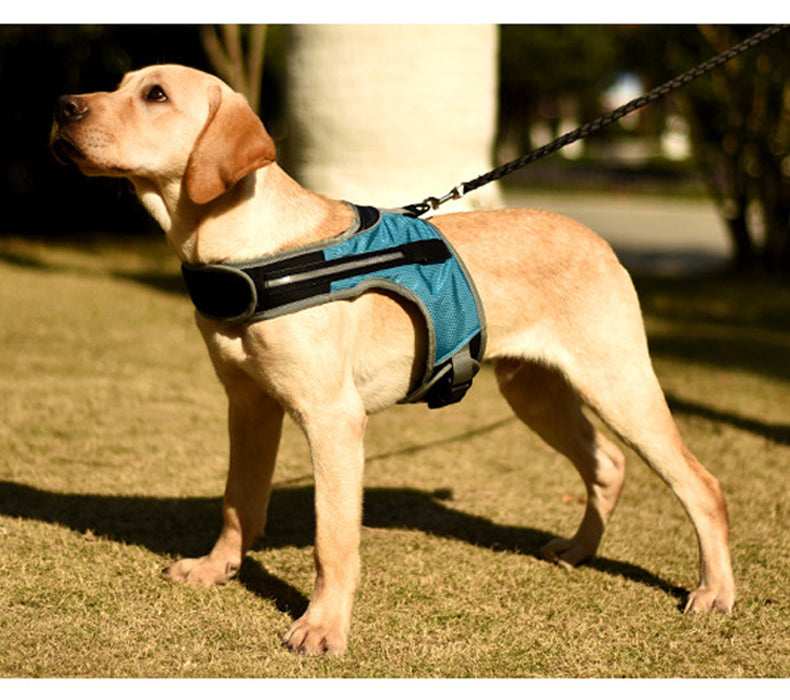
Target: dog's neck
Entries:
(266, 212)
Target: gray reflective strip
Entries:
(330, 269)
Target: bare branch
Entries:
(241, 69)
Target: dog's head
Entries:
(165, 126)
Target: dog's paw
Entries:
(706, 599)
(566, 552)
(201, 572)
(305, 637)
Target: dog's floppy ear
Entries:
(232, 144)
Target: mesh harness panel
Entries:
(384, 250)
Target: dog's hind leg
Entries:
(606, 360)
(635, 409)
(542, 398)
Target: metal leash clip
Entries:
(436, 202)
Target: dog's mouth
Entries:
(62, 147)
(65, 151)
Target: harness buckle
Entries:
(454, 378)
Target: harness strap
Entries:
(237, 295)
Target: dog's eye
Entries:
(155, 94)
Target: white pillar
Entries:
(390, 114)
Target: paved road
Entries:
(650, 234)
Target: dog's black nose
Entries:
(71, 109)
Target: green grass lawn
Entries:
(112, 463)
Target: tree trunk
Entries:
(743, 255)
(775, 199)
(388, 115)
(238, 65)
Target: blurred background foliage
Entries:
(733, 126)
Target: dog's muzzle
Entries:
(69, 110)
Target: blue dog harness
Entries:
(385, 250)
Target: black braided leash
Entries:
(597, 124)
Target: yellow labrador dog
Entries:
(563, 321)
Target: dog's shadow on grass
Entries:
(187, 527)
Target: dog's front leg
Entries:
(255, 423)
(335, 434)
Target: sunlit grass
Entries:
(112, 462)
